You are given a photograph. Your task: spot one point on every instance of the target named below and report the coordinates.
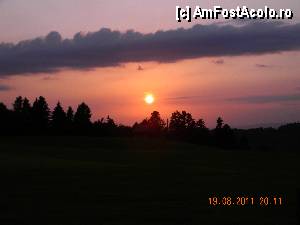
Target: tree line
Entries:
(37, 119)
(25, 118)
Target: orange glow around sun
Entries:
(149, 99)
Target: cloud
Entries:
(4, 87)
(264, 99)
(219, 61)
(49, 78)
(192, 98)
(107, 48)
(184, 97)
(263, 66)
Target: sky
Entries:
(110, 53)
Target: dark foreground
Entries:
(87, 181)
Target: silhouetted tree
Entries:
(26, 108)
(110, 122)
(201, 124)
(5, 119)
(59, 119)
(156, 124)
(181, 124)
(70, 115)
(98, 129)
(224, 135)
(218, 134)
(18, 105)
(17, 122)
(41, 114)
(201, 134)
(220, 123)
(70, 120)
(22, 121)
(228, 137)
(3, 109)
(82, 118)
(27, 117)
(141, 129)
(110, 127)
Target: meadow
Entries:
(89, 180)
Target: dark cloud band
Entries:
(4, 87)
(111, 48)
(264, 99)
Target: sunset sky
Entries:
(245, 71)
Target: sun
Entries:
(149, 99)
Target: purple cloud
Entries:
(107, 48)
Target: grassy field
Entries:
(87, 181)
